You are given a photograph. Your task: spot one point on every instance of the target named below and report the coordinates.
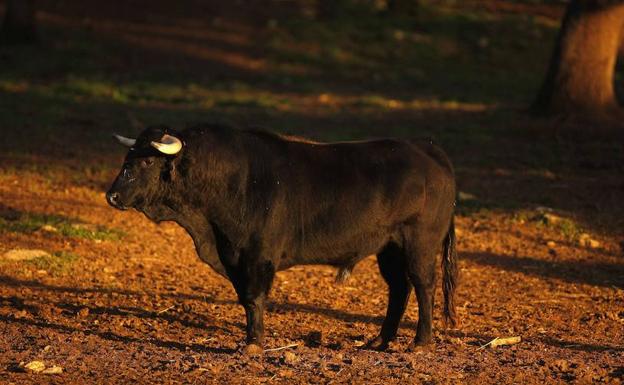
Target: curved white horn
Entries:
(168, 144)
(128, 142)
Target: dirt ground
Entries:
(146, 310)
(113, 298)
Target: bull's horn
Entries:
(168, 144)
(128, 142)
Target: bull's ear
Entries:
(168, 144)
(128, 142)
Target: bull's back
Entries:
(383, 163)
(352, 197)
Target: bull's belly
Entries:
(339, 254)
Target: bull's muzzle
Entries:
(113, 199)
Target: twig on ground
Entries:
(281, 348)
(164, 310)
(486, 345)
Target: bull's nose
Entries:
(112, 198)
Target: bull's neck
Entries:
(210, 191)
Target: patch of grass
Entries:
(58, 263)
(81, 230)
(73, 89)
(69, 227)
(522, 216)
(567, 227)
(570, 229)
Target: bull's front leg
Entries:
(253, 281)
(254, 312)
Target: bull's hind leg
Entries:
(391, 261)
(421, 261)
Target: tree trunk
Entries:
(580, 74)
(18, 26)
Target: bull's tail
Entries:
(449, 278)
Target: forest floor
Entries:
(110, 297)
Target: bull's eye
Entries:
(146, 162)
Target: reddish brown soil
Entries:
(146, 310)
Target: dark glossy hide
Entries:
(269, 202)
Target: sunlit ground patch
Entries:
(56, 224)
(57, 263)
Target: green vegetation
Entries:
(28, 223)
(56, 264)
(567, 227)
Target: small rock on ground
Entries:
(24, 254)
(35, 366)
(290, 358)
(53, 370)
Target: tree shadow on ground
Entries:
(199, 348)
(124, 311)
(482, 339)
(596, 274)
(205, 324)
(142, 313)
(116, 337)
(574, 345)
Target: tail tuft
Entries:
(343, 274)
(450, 276)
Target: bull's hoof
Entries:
(420, 346)
(377, 343)
(252, 350)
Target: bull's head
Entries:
(147, 167)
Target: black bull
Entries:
(269, 202)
